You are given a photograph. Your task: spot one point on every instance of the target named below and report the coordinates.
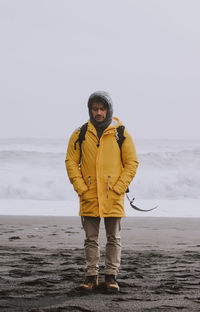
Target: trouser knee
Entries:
(113, 240)
(93, 243)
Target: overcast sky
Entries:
(54, 54)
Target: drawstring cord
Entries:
(89, 181)
(108, 185)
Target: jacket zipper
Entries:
(108, 185)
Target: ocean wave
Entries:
(171, 160)
(49, 186)
(40, 174)
(186, 159)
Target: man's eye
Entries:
(98, 108)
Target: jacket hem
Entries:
(102, 216)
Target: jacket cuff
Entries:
(118, 189)
(80, 186)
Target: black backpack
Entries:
(119, 137)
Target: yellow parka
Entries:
(101, 180)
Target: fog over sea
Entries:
(33, 178)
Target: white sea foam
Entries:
(182, 208)
(34, 169)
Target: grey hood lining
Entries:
(106, 99)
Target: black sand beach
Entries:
(42, 265)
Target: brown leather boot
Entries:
(111, 284)
(90, 283)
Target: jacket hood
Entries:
(105, 98)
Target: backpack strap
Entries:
(81, 137)
(120, 139)
(120, 136)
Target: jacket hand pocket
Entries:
(90, 194)
(116, 190)
(114, 195)
(85, 196)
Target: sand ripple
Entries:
(40, 279)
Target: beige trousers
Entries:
(113, 246)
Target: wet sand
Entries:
(42, 265)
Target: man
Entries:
(101, 178)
